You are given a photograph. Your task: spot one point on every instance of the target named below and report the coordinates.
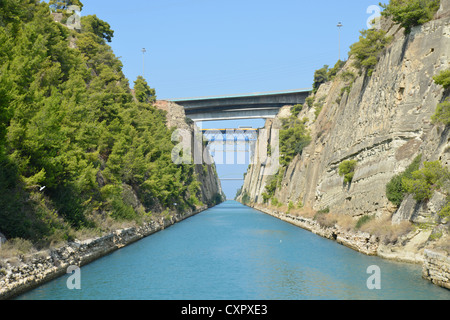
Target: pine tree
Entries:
(143, 92)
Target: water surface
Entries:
(232, 252)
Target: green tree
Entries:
(410, 13)
(425, 181)
(320, 77)
(367, 51)
(97, 26)
(443, 79)
(334, 71)
(395, 190)
(69, 123)
(143, 92)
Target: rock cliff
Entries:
(383, 121)
(211, 189)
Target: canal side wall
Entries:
(436, 268)
(435, 265)
(382, 122)
(29, 272)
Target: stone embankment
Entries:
(18, 276)
(359, 241)
(435, 265)
(436, 268)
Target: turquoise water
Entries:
(232, 252)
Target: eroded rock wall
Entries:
(382, 121)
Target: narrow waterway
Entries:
(232, 252)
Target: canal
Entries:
(232, 252)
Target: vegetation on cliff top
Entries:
(325, 74)
(76, 148)
(410, 13)
(367, 50)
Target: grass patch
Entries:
(384, 230)
(15, 247)
(363, 220)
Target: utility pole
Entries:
(143, 62)
(340, 25)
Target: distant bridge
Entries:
(227, 135)
(242, 106)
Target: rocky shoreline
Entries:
(436, 268)
(31, 271)
(435, 265)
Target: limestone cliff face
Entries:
(206, 174)
(383, 122)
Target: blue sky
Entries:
(221, 47)
(217, 47)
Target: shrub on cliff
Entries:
(246, 198)
(320, 77)
(395, 191)
(294, 137)
(347, 170)
(445, 210)
(367, 51)
(325, 74)
(143, 92)
(335, 70)
(442, 114)
(443, 79)
(410, 13)
(295, 110)
(425, 181)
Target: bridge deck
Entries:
(242, 95)
(241, 106)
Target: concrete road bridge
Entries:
(241, 106)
